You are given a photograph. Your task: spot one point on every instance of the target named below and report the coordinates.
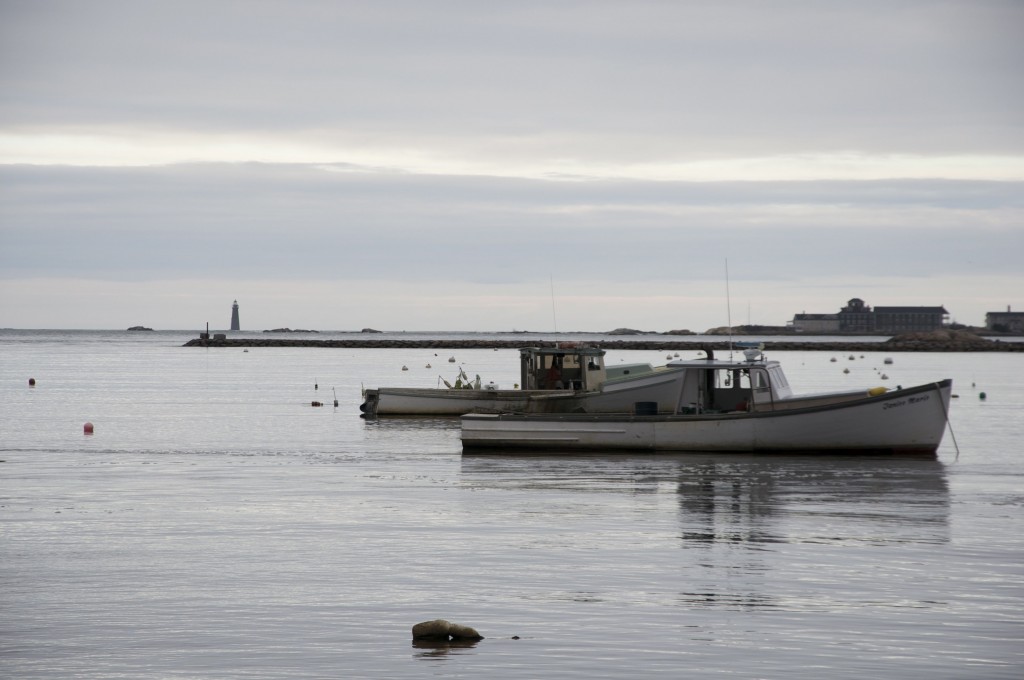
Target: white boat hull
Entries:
(908, 420)
(661, 388)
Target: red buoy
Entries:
(31, 382)
(88, 428)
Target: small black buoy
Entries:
(31, 382)
(982, 396)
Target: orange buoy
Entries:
(88, 428)
(31, 382)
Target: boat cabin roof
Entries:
(721, 363)
(561, 351)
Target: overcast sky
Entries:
(495, 166)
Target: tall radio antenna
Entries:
(554, 319)
(728, 306)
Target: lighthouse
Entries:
(234, 317)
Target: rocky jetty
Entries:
(954, 343)
(942, 341)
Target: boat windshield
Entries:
(725, 389)
(555, 370)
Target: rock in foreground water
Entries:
(439, 628)
(464, 633)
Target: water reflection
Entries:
(754, 501)
(758, 501)
(409, 424)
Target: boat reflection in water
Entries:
(738, 498)
(876, 500)
(782, 532)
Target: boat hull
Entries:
(661, 388)
(910, 420)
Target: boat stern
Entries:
(371, 398)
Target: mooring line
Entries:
(945, 412)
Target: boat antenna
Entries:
(728, 306)
(554, 318)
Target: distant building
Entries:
(910, 319)
(234, 317)
(858, 317)
(1005, 322)
(816, 323)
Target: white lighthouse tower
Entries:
(234, 317)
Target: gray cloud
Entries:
(292, 221)
(613, 80)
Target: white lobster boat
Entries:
(564, 379)
(734, 406)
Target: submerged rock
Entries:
(431, 629)
(464, 633)
(439, 628)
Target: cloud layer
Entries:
(446, 162)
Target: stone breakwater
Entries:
(898, 344)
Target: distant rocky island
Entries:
(629, 331)
(139, 328)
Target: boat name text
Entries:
(903, 402)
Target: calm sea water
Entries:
(215, 525)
